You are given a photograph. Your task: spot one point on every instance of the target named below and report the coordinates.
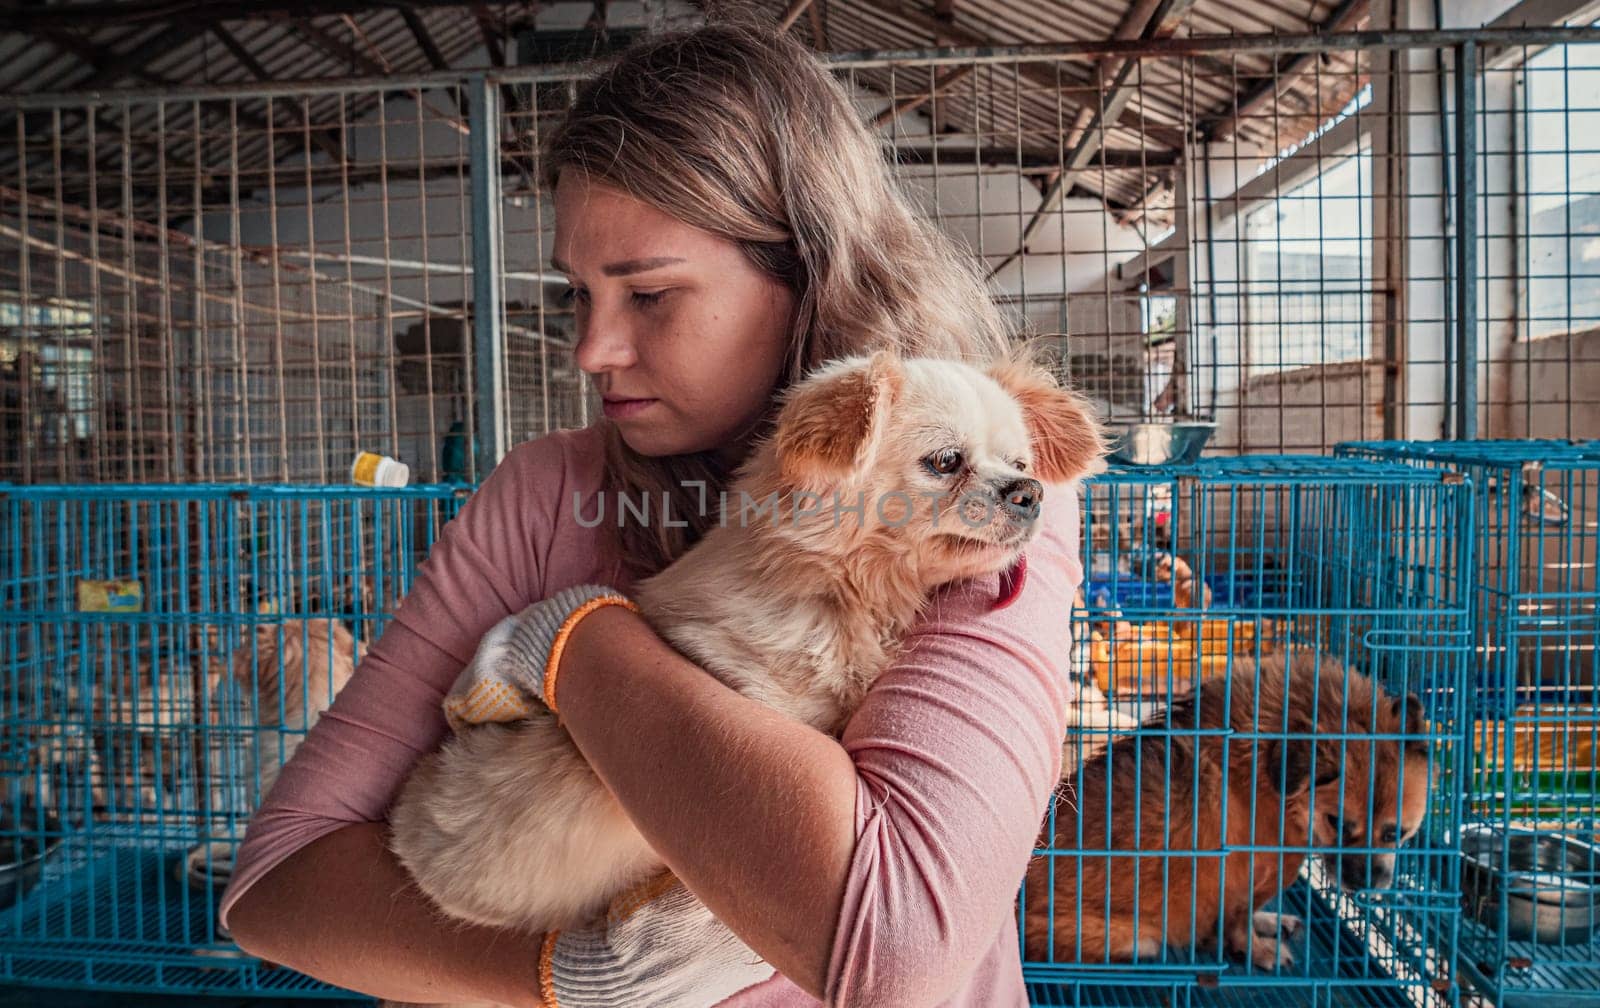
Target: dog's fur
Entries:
(282, 691)
(507, 824)
(1165, 789)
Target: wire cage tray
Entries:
(114, 913)
(1344, 975)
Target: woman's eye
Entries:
(944, 462)
(572, 294)
(646, 299)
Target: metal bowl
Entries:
(208, 865)
(1550, 885)
(1160, 443)
(23, 851)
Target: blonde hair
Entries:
(742, 132)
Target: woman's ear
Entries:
(830, 421)
(1067, 440)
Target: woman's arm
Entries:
(365, 926)
(877, 871)
(314, 886)
(754, 811)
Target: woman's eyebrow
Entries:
(623, 268)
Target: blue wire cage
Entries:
(1531, 727)
(163, 649)
(1205, 574)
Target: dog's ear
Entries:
(1301, 763)
(1067, 440)
(1414, 716)
(1289, 762)
(829, 423)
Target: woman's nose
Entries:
(603, 346)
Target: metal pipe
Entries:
(1467, 240)
(1446, 213)
(1211, 279)
(488, 379)
(790, 16)
(1193, 45)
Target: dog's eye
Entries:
(1389, 834)
(944, 462)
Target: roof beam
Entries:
(819, 34)
(199, 13)
(940, 84)
(1030, 161)
(339, 49)
(330, 142)
(1285, 72)
(425, 42)
(790, 16)
(110, 67)
(1044, 75)
(1164, 18)
(490, 32)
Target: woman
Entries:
(726, 224)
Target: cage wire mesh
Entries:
(163, 650)
(1531, 783)
(1273, 236)
(230, 284)
(1308, 579)
(198, 291)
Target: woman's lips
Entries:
(624, 408)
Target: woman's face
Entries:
(684, 337)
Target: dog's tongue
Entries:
(1011, 581)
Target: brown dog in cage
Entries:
(285, 679)
(1181, 785)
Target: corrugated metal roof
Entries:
(1030, 108)
(281, 46)
(1034, 105)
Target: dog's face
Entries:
(951, 460)
(1377, 797)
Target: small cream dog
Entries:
(507, 825)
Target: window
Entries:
(1160, 317)
(1309, 271)
(43, 348)
(1559, 210)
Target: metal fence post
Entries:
(1466, 293)
(488, 336)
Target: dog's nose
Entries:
(1022, 497)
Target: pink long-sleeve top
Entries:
(956, 747)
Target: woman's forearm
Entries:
(753, 811)
(343, 910)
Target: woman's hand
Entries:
(514, 669)
(659, 946)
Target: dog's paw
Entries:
(1277, 925)
(1269, 953)
(1256, 937)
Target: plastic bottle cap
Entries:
(372, 469)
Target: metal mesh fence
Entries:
(1274, 235)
